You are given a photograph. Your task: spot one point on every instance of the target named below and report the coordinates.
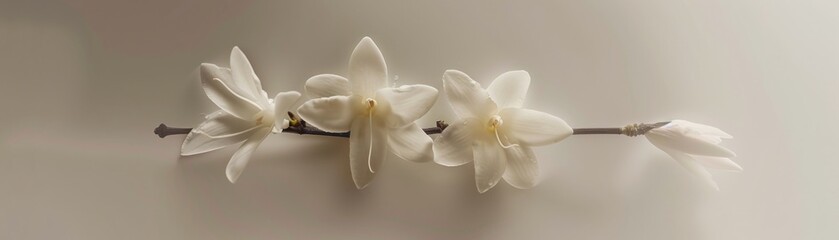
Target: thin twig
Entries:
(299, 126)
(296, 126)
(162, 130)
(587, 131)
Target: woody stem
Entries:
(300, 127)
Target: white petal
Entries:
(211, 71)
(327, 85)
(406, 103)
(490, 164)
(244, 76)
(687, 141)
(410, 143)
(368, 71)
(331, 114)
(467, 97)
(219, 130)
(509, 89)
(718, 163)
(692, 166)
(282, 103)
(704, 129)
(368, 148)
(242, 156)
(454, 146)
(228, 100)
(522, 168)
(533, 128)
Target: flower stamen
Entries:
(494, 123)
(371, 103)
(501, 143)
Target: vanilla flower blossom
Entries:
(694, 145)
(380, 118)
(247, 114)
(494, 131)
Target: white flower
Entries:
(247, 114)
(379, 117)
(494, 131)
(694, 145)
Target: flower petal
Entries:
(685, 140)
(410, 143)
(219, 130)
(406, 103)
(509, 89)
(331, 114)
(467, 97)
(704, 129)
(490, 164)
(454, 146)
(211, 71)
(368, 71)
(522, 169)
(282, 103)
(228, 100)
(327, 85)
(533, 128)
(245, 78)
(368, 148)
(692, 166)
(718, 163)
(242, 156)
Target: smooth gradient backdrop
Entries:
(84, 82)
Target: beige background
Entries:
(85, 82)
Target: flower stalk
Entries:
(296, 125)
(299, 126)
(632, 130)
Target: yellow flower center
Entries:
(370, 104)
(495, 122)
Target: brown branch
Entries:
(162, 130)
(588, 131)
(631, 130)
(303, 129)
(299, 126)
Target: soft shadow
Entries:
(309, 177)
